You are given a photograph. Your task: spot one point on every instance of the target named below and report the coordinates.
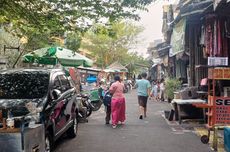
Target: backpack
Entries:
(107, 98)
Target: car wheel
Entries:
(72, 131)
(48, 143)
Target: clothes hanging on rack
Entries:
(227, 28)
(202, 36)
(215, 44)
(219, 38)
(216, 40)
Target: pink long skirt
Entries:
(118, 110)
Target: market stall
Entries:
(218, 102)
(116, 68)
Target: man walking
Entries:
(143, 92)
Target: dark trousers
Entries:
(108, 114)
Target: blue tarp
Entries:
(91, 79)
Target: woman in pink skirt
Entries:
(118, 102)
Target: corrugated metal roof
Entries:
(193, 8)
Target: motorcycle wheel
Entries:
(82, 115)
(89, 111)
(96, 105)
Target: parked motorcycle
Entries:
(130, 84)
(96, 104)
(127, 86)
(85, 107)
(94, 97)
(87, 103)
(95, 100)
(82, 110)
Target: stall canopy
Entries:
(57, 55)
(116, 67)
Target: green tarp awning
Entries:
(57, 55)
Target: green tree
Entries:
(112, 44)
(73, 41)
(57, 16)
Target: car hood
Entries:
(20, 107)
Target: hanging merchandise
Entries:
(216, 41)
(208, 38)
(181, 69)
(202, 36)
(219, 37)
(178, 38)
(215, 44)
(227, 28)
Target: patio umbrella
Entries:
(57, 55)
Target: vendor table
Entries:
(185, 108)
(32, 139)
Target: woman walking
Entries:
(118, 102)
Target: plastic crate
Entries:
(227, 139)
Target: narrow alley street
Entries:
(60, 58)
(153, 134)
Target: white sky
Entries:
(152, 23)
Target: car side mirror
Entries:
(56, 94)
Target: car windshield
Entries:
(23, 85)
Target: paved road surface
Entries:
(153, 134)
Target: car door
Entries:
(58, 116)
(69, 98)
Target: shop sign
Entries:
(217, 61)
(219, 73)
(222, 111)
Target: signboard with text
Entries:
(217, 61)
(219, 73)
(222, 110)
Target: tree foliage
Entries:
(57, 16)
(44, 22)
(73, 41)
(112, 44)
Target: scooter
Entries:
(84, 106)
(95, 100)
(126, 87)
(85, 99)
(82, 110)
